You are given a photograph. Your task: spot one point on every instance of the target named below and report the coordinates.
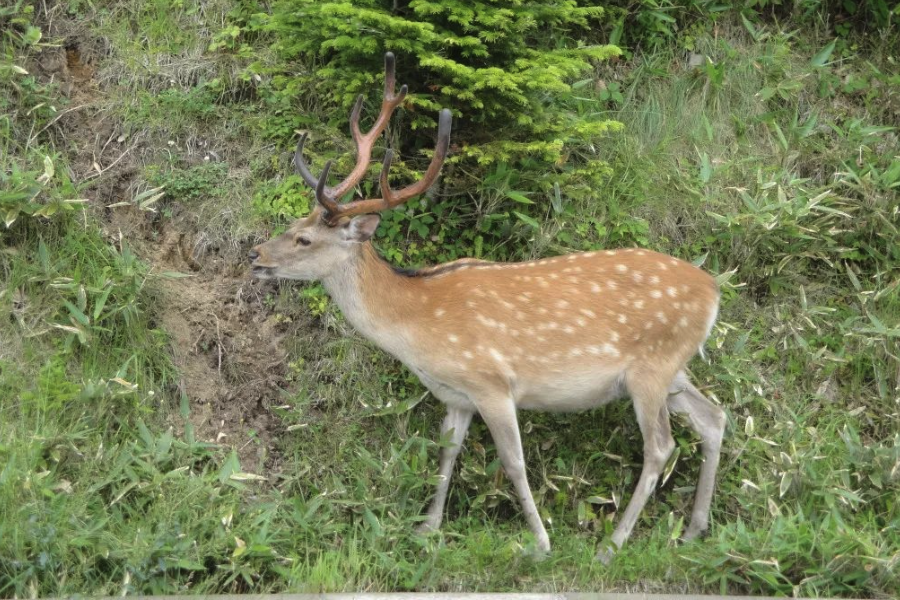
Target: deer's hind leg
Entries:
(648, 393)
(708, 420)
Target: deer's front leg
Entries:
(500, 417)
(456, 423)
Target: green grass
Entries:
(760, 163)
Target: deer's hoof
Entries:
(427, 527)
(693, 532)
(539, 551)
(606, 554)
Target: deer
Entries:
(565, 333)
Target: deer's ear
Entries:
(360, 229)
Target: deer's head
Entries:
(316, 245)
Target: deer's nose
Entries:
(253, 255)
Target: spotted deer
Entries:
(567, 333)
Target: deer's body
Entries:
(559, 334)
(565, 343)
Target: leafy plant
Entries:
(286, 199)
(190, 184)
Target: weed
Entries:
(190, 184)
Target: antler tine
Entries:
(300, 165)
(390, 71)
(386, 195)
(390, 79)
(332, 208)
(434, 168)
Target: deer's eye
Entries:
(302, 241)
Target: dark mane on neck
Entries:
(434, 271)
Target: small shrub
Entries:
(287, 199)
(190, 184)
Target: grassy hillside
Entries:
(168, 425)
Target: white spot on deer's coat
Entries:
(588, 313)
(611, 350)
(453, 338)
(621, 268)
(661, 316)
(671, 291)
(656, 294)
(468, 355)
(639, 304)
(595, 288)
(487, 321)
(622, 319)
(439, 312)
(562, 304)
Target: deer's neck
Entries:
(371, 295)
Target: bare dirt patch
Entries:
(227, 346)
(225, 342)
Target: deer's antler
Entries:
(328, 196)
